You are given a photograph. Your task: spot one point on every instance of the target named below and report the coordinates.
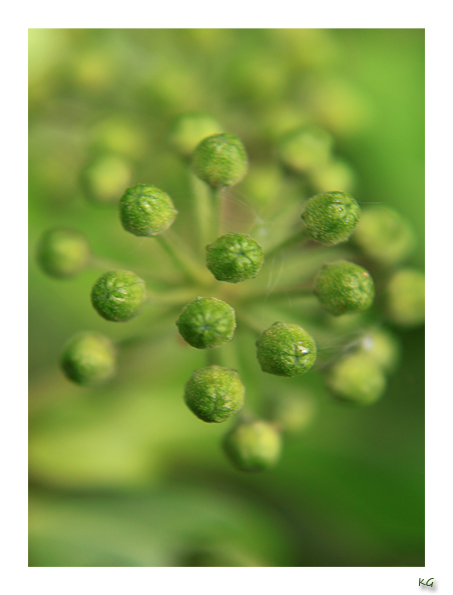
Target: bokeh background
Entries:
(125, 475)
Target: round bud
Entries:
(253, 446)
(214, 393)
(331, 217)
(220, 160)
(357, 378)
(294, 412)
(305, 148)
(286, 350)
(63, 252)
(105, 178)
(406, 297)
(384, 235)
(344, 287)
(207, 322)
(190, 129)
(146, 210)
(234, 257)
(89, 358)
(118, 295)
(382, 345)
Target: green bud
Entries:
(118, 295)
(253, 446)
(305, 148)
(234, 257)
(382, 346)
(384, 235)
(105, 178)
(214, 393)
(357, 378)
(190, 129)
(286, 350)
(331, 217)
(220, 160)
(406, 297)
(89, 358)
(333, 174)
(63, 252)
(146, 210)
(206, 323)
(293, 412)
(343, 287)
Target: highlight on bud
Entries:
(220, 160)
(63, 252)
(189, 129)
(118, 295)
(206, 323)
(286, 350)
(304, 148)
(406, 297)
(253, 446)
(234, 257)
(357, 378)
(343, 287)
(214, 393)
(146, 210)
(89, 358)
(331, 217)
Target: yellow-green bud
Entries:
(104, 179)
(63, 252)
(344, 287)
(190, 129)
(146, 210)
(89, 358)
(253, 446)
(384, 235)
(293, 412)
(118, 295)
(286, 350)
(234, 257)
(206, 323)
(406, 297)
(383, 347)
(305, 148)
(357, 378)
(214, 393)
(220, 160)
(331, 217)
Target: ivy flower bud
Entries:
(63, 252)
(190, 129)
(331, 217)
(305, 147)
(357, 378)
(105, 178)
(146, 210)
(344, 287)
(384, 235)
(220, 160)
(382, 345)
(286, 350)
(89, 358)
(253, 446)
(406, 297)
(118, 295)
(206, 323)
(234, 257)
(214, 393)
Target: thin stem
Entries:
(216, 212)
(287, 243)
(182, 259)
(213, 357)
(202, 212)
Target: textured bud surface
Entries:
(118, 295)
(63, 252)
(305, 148)
(220, 160)
(406, 297)
(88, 358)
(146, 210)
(357, 378)
(207, 322)
(331, 217)
(286, 350)
(214, 393)
(234, 257)
(344, 287)
(190, 129)
(253, 446)
(384, 235)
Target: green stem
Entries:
(287, 243)
(213, 357)
(216, 212)
(182, 259)
(202, 212)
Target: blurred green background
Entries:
(125, 475)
